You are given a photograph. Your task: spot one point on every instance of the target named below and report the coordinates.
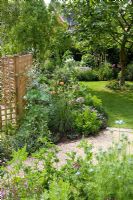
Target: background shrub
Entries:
(87, 75)
(105, 72)
(115, 85)
(88, 60)
(129, 72)
(102, 73)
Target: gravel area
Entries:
(103, 140)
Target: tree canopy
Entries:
(31, 26)
(107, 23)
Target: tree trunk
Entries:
(123, 65)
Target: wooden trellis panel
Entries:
(13, 81)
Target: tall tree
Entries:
(27, 28)
(105, 22)
(31, 26)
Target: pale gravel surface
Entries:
(103, 140)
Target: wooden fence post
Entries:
(16, 84)
(22, 64)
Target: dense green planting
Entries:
(118, 104)
(129, 72)
(101, 73)
(104, 72)
(57, 107)
(109, 177)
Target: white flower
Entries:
(91, 170)
(77, 173)
(80, 100)
(119, 122)
(69, 60)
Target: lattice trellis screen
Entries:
(13, 87)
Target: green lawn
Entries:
(118, 105)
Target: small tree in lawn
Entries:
(105, 22)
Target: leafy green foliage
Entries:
(104, 24)
(45, 36)
(115, 85)
(103, 21)
(33, 129)
(87, 121)
(105, 72)
(109, 177)
(88, 60)
(58, 108)
(102, 73)
(87, 75)
(6, 143)
(129, 72)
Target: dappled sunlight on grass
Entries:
(117, 104)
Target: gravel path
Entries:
(103, 140)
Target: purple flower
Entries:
(2, 193)
(113, 65)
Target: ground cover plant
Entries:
(118, 105)
(109, 177)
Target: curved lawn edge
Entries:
(117, 104)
